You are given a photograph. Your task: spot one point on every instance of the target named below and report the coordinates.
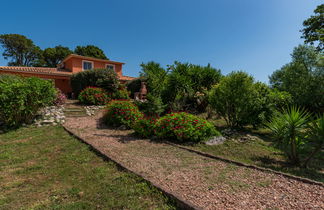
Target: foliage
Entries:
(152, 106)
(121, 93)
(145, 126)
(313, 28)
(103, 78)
(234, 97)
(60, 98)
(90, 51)
(134, 85)
(19, 49)
(94, 96)
(53, 56)
(21, 98)
(122, 112)
(315, 137)
(288, 128)
(188, 84)
(184, 127)
(302, 78)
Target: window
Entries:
(110, 66)
(86, 65)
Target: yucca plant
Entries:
(316, 137)
(288, 128)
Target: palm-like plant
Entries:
(316, 136)
(289, 129)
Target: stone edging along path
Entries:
(182, 204)
(194, 179)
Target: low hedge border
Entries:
(180, 202)
(290, 176)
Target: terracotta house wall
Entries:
(75, 65)
(63, 85)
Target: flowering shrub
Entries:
(60, 98)
(94, 96)
(145, 127)
(122, 112)
(184, 127)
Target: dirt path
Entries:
(208, 183)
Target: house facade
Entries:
(70, 65)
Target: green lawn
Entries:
(262, 152)
(45, 168)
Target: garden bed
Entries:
(205, 182)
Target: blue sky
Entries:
(251, 35)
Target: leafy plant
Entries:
(315, 137)
(152, 106)
(94, 96)
(103, 78)
(21, 98)
(122, 112)
(288, 128)
(145, 127)
(184, 127)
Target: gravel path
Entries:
(208, 183)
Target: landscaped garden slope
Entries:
(45, 168)
(205, 182)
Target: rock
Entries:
(122, 127)
(215, 140)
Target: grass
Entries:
(45, 168)
(261, 151)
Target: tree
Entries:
(54, 56)
(314, 28)
(233, 98)
(188, 85)
(90, 51)
(303, 78)
(19, 49)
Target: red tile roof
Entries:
(37, 70)
(127, 78)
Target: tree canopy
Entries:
(314, 28)
(21, 50)
(303, 78)
(90, 51)
(53, 56)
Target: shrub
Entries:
(60, 98)
(145, 127)
(288, 128)
(21, 98)
(121, 93)
(94, 96)
(233, 98)
(184, 127)
(103, 78)
(122, 112)
(152, 106)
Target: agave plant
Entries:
(288, 128)
(316, 136)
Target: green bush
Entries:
(103, 78)
(21, 98)
(145, 127)
(233, 98)
(184, 127)
(121, 93)
(152, 106)
(94, 96)
(122, 112)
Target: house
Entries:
(70, 65)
